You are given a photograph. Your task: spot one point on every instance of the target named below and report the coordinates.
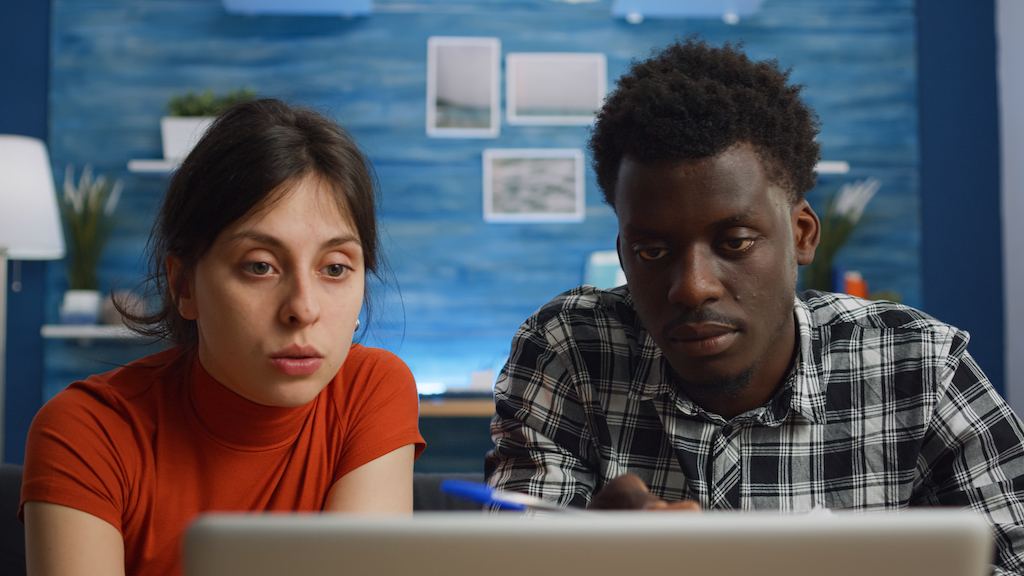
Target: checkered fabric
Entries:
(883, 409)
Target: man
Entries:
(707, 379)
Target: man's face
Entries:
(710, 250)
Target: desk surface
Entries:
(433, 407)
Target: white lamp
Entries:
(30, 226)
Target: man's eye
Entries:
(258, 268)
(651, 253)
(738, 244)
(335, 270)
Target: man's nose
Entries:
(696, 279)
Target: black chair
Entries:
(427, 495)
(12, 532)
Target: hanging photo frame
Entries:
(533, 185)
(554, 88)
(463, 78)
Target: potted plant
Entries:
(190, 115)
(841, 217)
(88, 213)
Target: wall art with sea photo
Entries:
(533, 185)
(463, 96)
(554, 88)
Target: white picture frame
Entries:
(554, 88)
(463, 87)
(534, 185)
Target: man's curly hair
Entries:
(693, 101)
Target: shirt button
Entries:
(727, 430)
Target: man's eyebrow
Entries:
(724, 222)
(729, 220)
(269, 240)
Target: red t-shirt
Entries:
(149, 445)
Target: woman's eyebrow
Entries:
(269, 240)
(339, 240)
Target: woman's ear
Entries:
(181, 288)
(806, 232)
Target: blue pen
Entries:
(484, 494)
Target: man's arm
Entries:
(540, 429)
(381, 485)
(63, 541)
(973, 457)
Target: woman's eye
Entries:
(258, 268)
(738, 244)
(651, 253)
(335, 270)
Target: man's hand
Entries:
(628, 492)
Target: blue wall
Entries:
(960, 195)
(24, 67)
(961, 29)
(463, 286)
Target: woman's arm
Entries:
(63, 541)
(381, 485)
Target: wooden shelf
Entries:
(456, 407)
(159, 166)
(832, 167)
(88, 332)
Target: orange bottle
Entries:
(856, 285)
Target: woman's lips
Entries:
(296, 360)
(296, 366)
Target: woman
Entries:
(260, 253)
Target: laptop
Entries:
(932, 542)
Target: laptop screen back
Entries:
(925, 542)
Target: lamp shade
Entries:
(29, 220)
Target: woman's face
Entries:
(277, 296)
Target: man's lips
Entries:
(296, 360)
(701, 331)
(704, 339)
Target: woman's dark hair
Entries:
(693, 101)
(252, 150)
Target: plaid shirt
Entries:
(882, 409)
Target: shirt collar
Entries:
(802, 392)
(805, 379)
(238, 423)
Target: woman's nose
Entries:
(301, 306)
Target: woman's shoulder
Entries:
(123, 387)
(362, 359)
(370, 375)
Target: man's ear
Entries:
(806, 232)
(181, 288)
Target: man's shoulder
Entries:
(829, 309)
(586, 302)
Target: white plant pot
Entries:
(80, 307)
(180, 134)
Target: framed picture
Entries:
(533, 185)
(463, 97)
(554, 88)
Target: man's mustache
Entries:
(703, 316)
